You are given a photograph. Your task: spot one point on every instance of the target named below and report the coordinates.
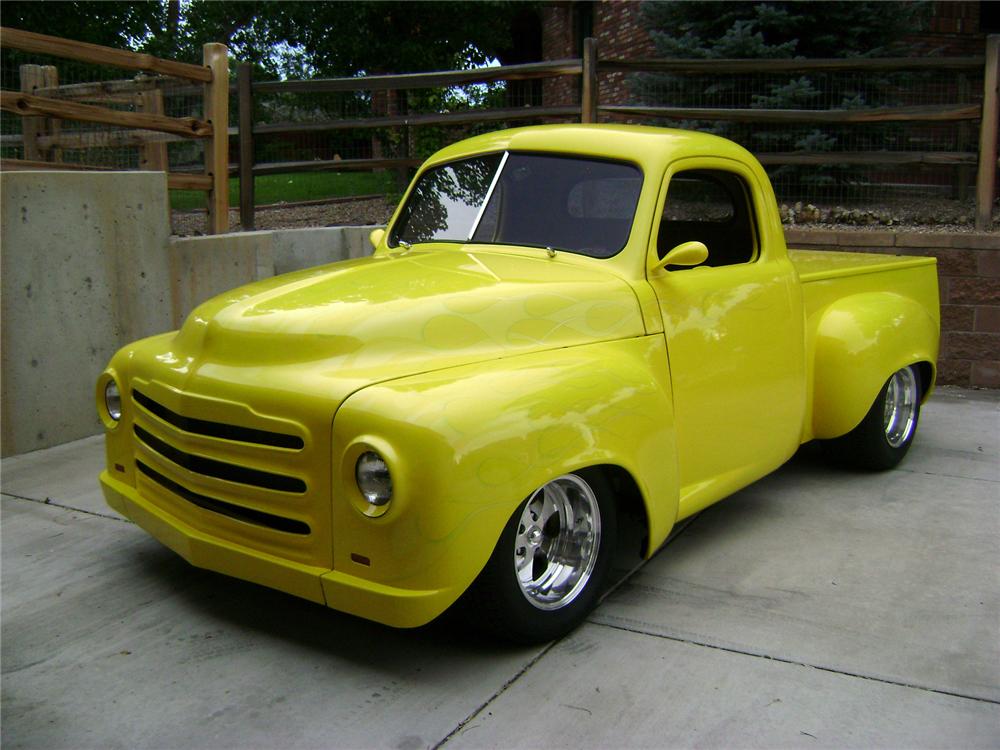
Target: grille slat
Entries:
(238, 512)
(217, 429)
(219, 469)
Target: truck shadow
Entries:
(269, 614)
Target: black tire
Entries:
(499, 603)
(886, 433)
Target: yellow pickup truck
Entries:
(568, 339)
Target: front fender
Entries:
(466, 445)
(861, 340)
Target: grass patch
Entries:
(292, 188)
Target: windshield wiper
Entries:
(550, 249)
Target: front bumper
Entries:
(398, 607)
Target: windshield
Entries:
(566, 203)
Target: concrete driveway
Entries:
(817, 608)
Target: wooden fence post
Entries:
(987, 175)
(244, 88)
(403, 109)
(31, 127)
(153, 154)
(588, 88)
(963, 142)
(216, 58)
(52, 125)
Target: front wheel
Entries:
(550, 563)
(886, 433)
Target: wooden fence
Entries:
(47, 102)
(589, 109)
(42, 104)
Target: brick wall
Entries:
(621, 35)
(952, 29)
(559, 42)
(969, 280)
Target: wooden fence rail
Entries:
(794, 65)
(930, 113)
(439, 79)
(43, 104)
(28, 105)
(28, 41)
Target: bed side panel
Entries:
(860, 328)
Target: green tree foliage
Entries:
(294, 39)
(780, 29)
(775, 30)
(113, 24)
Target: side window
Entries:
(710, 206)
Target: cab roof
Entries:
(643, 145)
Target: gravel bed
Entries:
(344, 213)
(922, 215)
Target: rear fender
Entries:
(861, 340)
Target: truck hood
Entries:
(350, 324)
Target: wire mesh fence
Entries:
(931, 158)
(92, 144)
(368, 135)
(347, 125)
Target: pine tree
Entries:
(781, 30)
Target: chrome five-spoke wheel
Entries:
(885, 434)
(557, 542)
(899, 417)
(550, 564)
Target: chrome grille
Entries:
(233, 470)
(217, 429)
(240, 513)
(220, 469)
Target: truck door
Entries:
(734, 331)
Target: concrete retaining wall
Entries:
(88, 266)
(202, 267)
(969, 279)
(83, 272)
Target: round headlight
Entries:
(113, 400)
(372, 475)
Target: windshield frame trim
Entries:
(489, 195)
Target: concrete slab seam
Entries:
(946, 476)
(49, 501)
(465, 722)
(678, 529)
(503, 688)
(793, 662)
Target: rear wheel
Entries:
(886, 433)
(550, 563)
